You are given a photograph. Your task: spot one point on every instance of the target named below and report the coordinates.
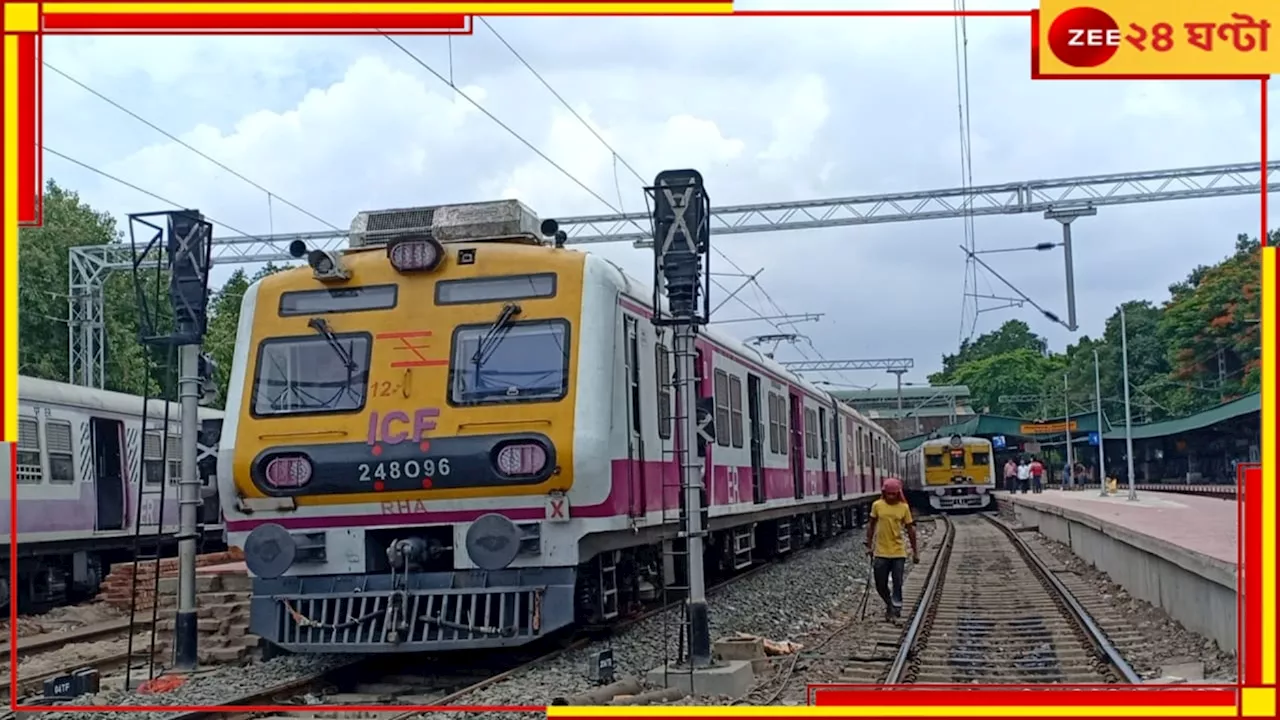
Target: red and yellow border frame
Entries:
(26, 23)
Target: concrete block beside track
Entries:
(1176, 552)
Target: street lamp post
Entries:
(1102, 452)
(1128, 416)
(1068, 480)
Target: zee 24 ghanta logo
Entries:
(1086, 37)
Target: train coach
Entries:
(457, 435)
(80, 466)
(953, 473)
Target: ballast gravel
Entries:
(222, 685)
(783, 601)
(1166, 641)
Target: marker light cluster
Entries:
(417, 255)
(288, 472)
(521, 459)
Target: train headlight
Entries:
(288, 472)
(982, 491)
(940, 492)
(415, 255)
(521, 459)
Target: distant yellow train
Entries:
(953, 473)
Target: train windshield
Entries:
(311, 374)
(524, 361)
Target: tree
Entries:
(1017, 372)
(1011, 336)
(43, 269)
(224, 321)
(129, 365)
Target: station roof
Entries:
(1201, 420)
(991, 425)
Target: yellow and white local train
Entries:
(953, 473)
(456, 434)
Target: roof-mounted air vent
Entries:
(499, 221)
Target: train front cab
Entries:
(416, 419)
(958, 474)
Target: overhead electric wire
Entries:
(144, 191)
(270, 195)
(617, 157)
(966, 169)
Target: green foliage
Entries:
(44, 308)
(1198, 349)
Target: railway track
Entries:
(97, 646)
(989, 610)
(434, 680)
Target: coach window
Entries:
(62, 465)
(773, 423)
(311, 374)
(933, 460)
(981, 458)
(735, 409)
(722, 408)
(662, 362)
(523, 362)
(810, 434)
(784, 425)
(174, 453)
(152, 459)
(29, 467)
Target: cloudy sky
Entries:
(768, 109)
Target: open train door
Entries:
(757, 438)
(108, 472)
(797, 446)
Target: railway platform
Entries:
(1175, 551)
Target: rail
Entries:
(933, 585)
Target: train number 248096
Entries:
(411, 469)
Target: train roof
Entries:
(636, 288)
(946, 441)
(40, 390)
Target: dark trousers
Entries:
(1037, 483)
(1023, 484)
(885, 570)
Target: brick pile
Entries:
(222, 603)
(117, 588)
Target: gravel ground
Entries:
(1167, 641)
(802, 597)
(64, 619)
(217, 686)
(85, 652)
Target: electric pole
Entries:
(681, 243)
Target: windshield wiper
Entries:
(490, 341)
(322, 327)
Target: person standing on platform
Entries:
(1037, 475)
(1024, 475)
(1011, 475)
(890, 517)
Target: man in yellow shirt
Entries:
(890, 515)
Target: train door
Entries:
(860, 463)
(108, 472)
(825, 450)
(797, 446)
(757, 438)
(837, 455)
(635, 421)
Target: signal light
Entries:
(415, 255)
(288, 472)
(521, 459)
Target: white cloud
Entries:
(768, 109)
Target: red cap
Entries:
(892, 485)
